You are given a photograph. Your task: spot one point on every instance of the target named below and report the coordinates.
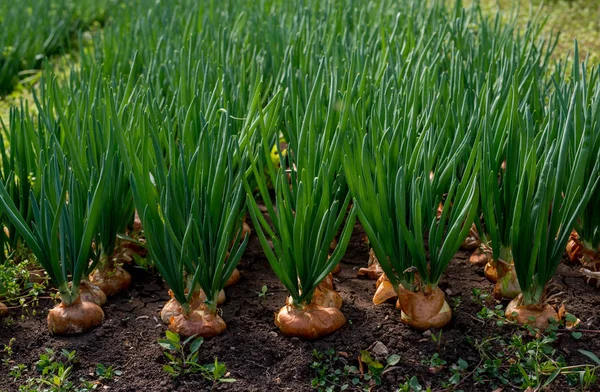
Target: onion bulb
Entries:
(173, 308)
(385, 290)
(325, 295)
(574, 247)
(234, 278)
(112, 280)
(507, 283)
(76, 318)
(373, 270)
(534, 315)
(472, 241)
(199, 322)
(309, 322)
(89, 292)
(423, 310)
(480, 257)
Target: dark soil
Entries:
(261, 359)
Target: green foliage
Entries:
(413, 385)
(557, 176)
(186, 178)
(80, 114)
(311, 198)
(64, 221)
(107, 372)
(53, 372)
(19, 154)
(182, 357)
(33, 30)
(333, 371)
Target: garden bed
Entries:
(260, 358)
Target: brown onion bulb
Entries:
(373, 270)
(424, 311)
(73, 319)
(385, 290)
(111, 281)
(173, 308)
(89, 292)
(234, 278)
(310, 322)
(536, 315)
(199, 322)
(480, 257)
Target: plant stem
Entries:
(506, 254)
(185, 308)
(67, 296)
(105, 263)
(212, 304)
(533, 296)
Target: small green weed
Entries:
(53, 372)
(183, 359)
(335, 373)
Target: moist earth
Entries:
(261, 359)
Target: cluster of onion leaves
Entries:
(32, 31)
(498, 180)
(586, 112)
(557, 176)
(186, 178)
(18, 173)
(64, 221)
(310, 200)
(398, 176)
(86, 131)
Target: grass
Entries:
(575, 19)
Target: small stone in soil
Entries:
(379, 350)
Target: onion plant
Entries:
(499, 185)
(32, 30)
(60, 235)
(308, 208)
(584, 244)
(186, 177)
(556, 180)
(86, 132)
(19, 157)
(398, 173)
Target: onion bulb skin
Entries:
(309, 322)
(535, 315)
(76, 318)
(423, 311)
